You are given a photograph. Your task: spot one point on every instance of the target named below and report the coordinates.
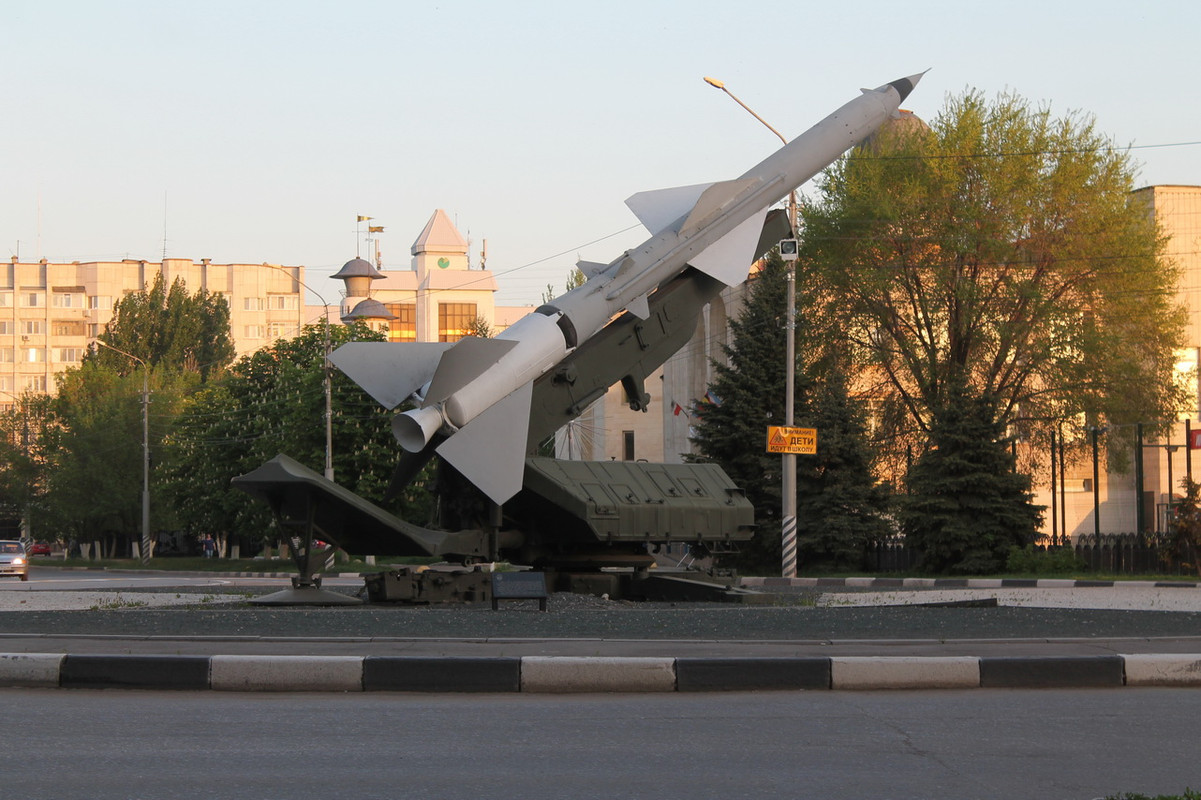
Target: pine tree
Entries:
(967, 506)
(750, 391)
(841, 508)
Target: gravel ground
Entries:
(836, 616)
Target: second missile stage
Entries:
(476, 392)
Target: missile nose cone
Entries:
(905, 85)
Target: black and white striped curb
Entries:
(560, 674)
(956, 583)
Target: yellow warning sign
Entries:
(800, 441)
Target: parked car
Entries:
(40, 549)
(13, 560)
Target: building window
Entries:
(254, 304)
(404, 327)
(93, 330)
(281, 302)
(36, 383)
(627, 445)
(6, 355)
(33, 355)
(62, 327)
(279, 330)
(70, 355)
(67, 300)
(6, 299)
(256, 332)
(6, 383)
(32, 327)
(100, 301)
(454, 320)
(33, 299)
(6, 327)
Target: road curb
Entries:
(558, 674)
(904, 672)
(956, 583)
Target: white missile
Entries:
(476, 392)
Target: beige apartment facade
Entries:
(1120, 501)
(51, 312)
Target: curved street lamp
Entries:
(327, 383)
(145, 447)
(788, 510)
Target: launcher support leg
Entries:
(306, 584)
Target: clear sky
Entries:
(257, 131)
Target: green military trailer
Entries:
(589, 526)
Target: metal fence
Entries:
(891, 555)
(1131, 554)
(1115, 554)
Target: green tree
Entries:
(169, 328)
(967, 505)
(1001, 245)
(273, 402)
(479, 327)
(23, 468)
(841, 508)
(165, 338)
(94, 452)
(575, 279)
(749, 394)
(1186, 526)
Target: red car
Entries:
(39, 549)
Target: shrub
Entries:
(1049, 561)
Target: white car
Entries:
(13, 560)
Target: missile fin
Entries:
(639, 307)
(662, 209)
(591, 268)
(465, 361)
(490, 450)
(730, 257)
(714, 200)
(389, 371)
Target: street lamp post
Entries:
(1095, 431)
(327, 384)
(788, 505)
(145, 448)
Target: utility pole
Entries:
(788, 522)
(145, 448)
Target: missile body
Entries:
(476, 392)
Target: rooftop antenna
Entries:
(358, 232)
(373, 243)
(164, 225)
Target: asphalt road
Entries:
(833, 745)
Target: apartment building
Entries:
(51, 312)
(1119, 502)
